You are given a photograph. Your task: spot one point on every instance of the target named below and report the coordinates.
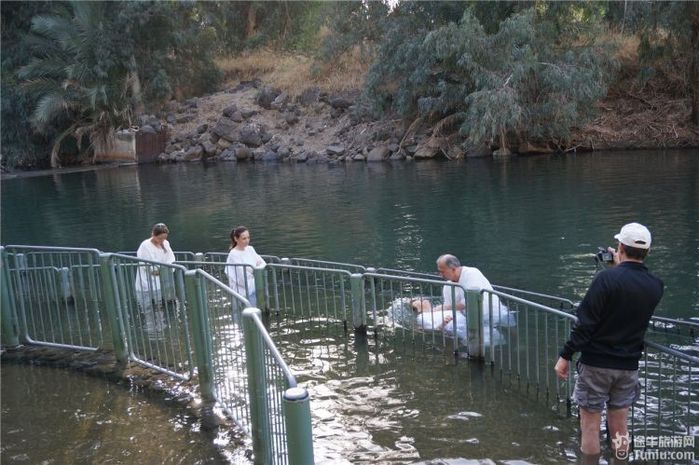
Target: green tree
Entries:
(80, 86)
(531, 79)
(96, 64)
(669, 34)
(21, 146)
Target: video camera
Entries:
(603, 255)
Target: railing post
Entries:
(10, 333)
(257, 385)
(373, 293)
(299, 433)
(358, 315)
(260, 275)
(198, 315)
(112, 307)
(65, 291)
(474, 325)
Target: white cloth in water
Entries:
(472, 278)
(148, 277)
(435, 321)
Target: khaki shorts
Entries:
(597, 387)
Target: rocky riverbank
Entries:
(253, 122)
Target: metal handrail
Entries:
(673, 352)
(54, 249)
(326, 262)
(223, 286)
(291, 379)
(532, 304)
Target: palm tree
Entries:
(83, 84)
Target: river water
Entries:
(531, 223)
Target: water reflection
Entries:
(54, 417)
(525, 223)
(390, 400)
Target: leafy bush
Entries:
(523, 81)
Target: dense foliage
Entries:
(72, 72)
(86, 68)
(525, 80)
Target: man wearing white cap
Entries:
(612, 322)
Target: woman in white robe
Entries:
(241, 278)
(151, 283)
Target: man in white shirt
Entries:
(450, 268)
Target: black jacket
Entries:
(613, 317)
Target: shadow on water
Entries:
(53, 417)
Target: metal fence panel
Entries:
(669, 402)
(310, 292)
(56, 295)
(152, 304)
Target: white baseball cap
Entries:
(634, 235)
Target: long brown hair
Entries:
(235, 234)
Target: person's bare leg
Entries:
(589, 429)
(618, 431)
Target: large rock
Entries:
(502, 152)
(194, 153)
(242, 153)
(284, 152)
(209, 148)
(270, 156)
(228, 155)
(266, 96)
(223, 143)
(378, 153)
(335, 149)
(280, 101)
(251, 134)
(226, 128)
(230, 110)
(181, 119)
(478, 151)
(430, 147)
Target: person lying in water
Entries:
(437, 317)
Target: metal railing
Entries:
(150, 300)
(236, 275)
(181, 319)
(313, 293)
(669, 399)
(526, 347)
(180, 255)
(179, 322)
(244, 372)
(314, 263)
(55, 294)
